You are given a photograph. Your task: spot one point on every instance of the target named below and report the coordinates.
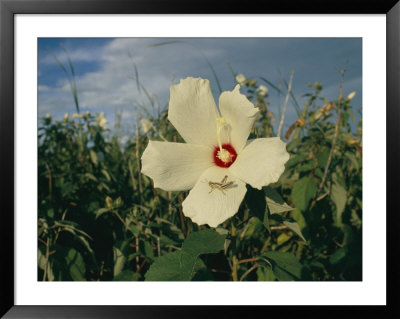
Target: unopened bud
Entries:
(262, 90)
(101, 120)
(241, 79)
(351, 96)
(109, 202)
(146, 125)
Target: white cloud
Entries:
(43, 88)
(111, 87)
(76, 55)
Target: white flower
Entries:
(146, 125)
(101, 120)
(262, 90)
(241, 79)
(217, 160)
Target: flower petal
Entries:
(240, 114)
(214, 208)
(175, 166)
(261, 162)
(192, 111)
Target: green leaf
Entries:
(290, 223)
(299, 218)
(127, 275)
(67, 264)
(257, 204)
(105, 173)
(134, 229)
(182, 265)
(90, 176)
(307, 167)
(93, 157)
(265, 274)
(42, 265)
(294, 160)
(148, 250)
(322, 158)
(285, 266)
(283, 238)
(76, 265)
(101, 211)
(168, 268)
(164, 240)
(338, 255)
(294, 227)
(50, 212)
(283, 275)
(165, 268)
(303, 191)
(265, 221)
(353, 159)
(206, 241)
(254, 228)
(339, 197)
(275, 202)
(119, 261)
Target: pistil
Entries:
(221, 122)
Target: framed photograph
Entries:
(161, 156)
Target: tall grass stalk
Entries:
(70, 76)
(285, 104)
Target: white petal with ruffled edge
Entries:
(192, 111)
(213, 208)
(261, 162)
(240, 114)
(175, 166)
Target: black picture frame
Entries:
(8, 10)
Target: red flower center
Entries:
(224, 157)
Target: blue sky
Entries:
(103, 70)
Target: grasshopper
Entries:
(223, 185)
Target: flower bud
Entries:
(109, 202)
(351, 96)
(101, 120)
(118, 202)
(146, 125)
(262, 90)
(241, 79)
